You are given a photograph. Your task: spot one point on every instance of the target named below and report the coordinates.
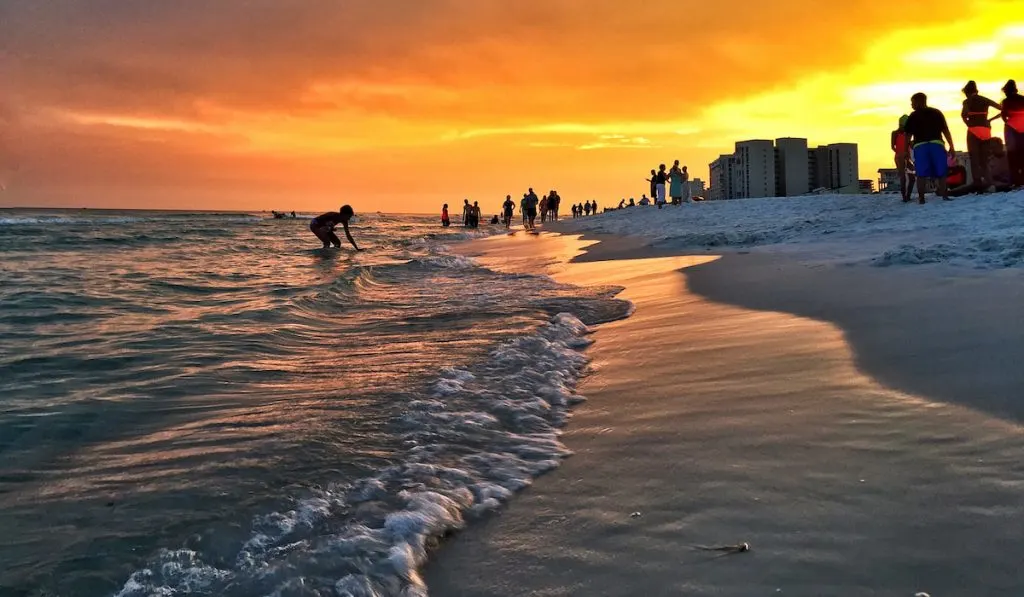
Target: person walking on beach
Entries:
(531, 202)
(925, 129)
(1013, 115)
(901, 151)
(675, 187)
(507, 208)
(979, 133)
(593, 206)
(474, 216)
(553, 201)
(586, 208)
(444, 216)
(544, 209)
(686, 185)
(323, 227)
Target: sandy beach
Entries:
(856, 426)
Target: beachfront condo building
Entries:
(785, 168)
(792, 171)
(696, 187)
(755, 161)
(888, 180)
(723, 176)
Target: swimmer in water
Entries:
(323, 227)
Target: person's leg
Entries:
(323, 233)
(901, 170)
(976, 149)
(1015, 156)
(334, 238)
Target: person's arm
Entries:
(892, 140)
(948, 135)
(994, 104)
(964, 113)
(348, 235)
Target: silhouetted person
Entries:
(979, 132)
(323, 227)
(926, 128)
(901, 151)
(1013, 115)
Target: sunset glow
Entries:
(400, 106)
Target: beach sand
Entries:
(855, 427)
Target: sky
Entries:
(401, 105)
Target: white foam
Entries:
(983, 231)
(485, 434)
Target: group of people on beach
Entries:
(921, 152)
(584, 209)
(678, 180)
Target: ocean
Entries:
(210, 404)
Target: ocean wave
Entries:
(476, 436)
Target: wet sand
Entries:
(856, 452)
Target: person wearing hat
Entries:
(902, 152)
(1013, 115)
(979, 132)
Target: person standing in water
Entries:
(901, 151)
(979, 133)
(323, 227)
(1013, 115)
(445, 221)
(467, 209)
(686, 186)
(675, 186)
(474, 215)
(507, 208)
(926, 128)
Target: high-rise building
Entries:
(818, 169)
(723, 175)
(792, 172)
(696, 187)
(785, 168)
(843, 170)
(755, 161)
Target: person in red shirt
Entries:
(901, 150)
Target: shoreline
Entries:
(722, 422)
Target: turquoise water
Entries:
(209, 404)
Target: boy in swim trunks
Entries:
(323, 227)
(925, 130)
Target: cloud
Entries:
(279, 92)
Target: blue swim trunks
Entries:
(930, 160)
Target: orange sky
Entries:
(400, 106)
